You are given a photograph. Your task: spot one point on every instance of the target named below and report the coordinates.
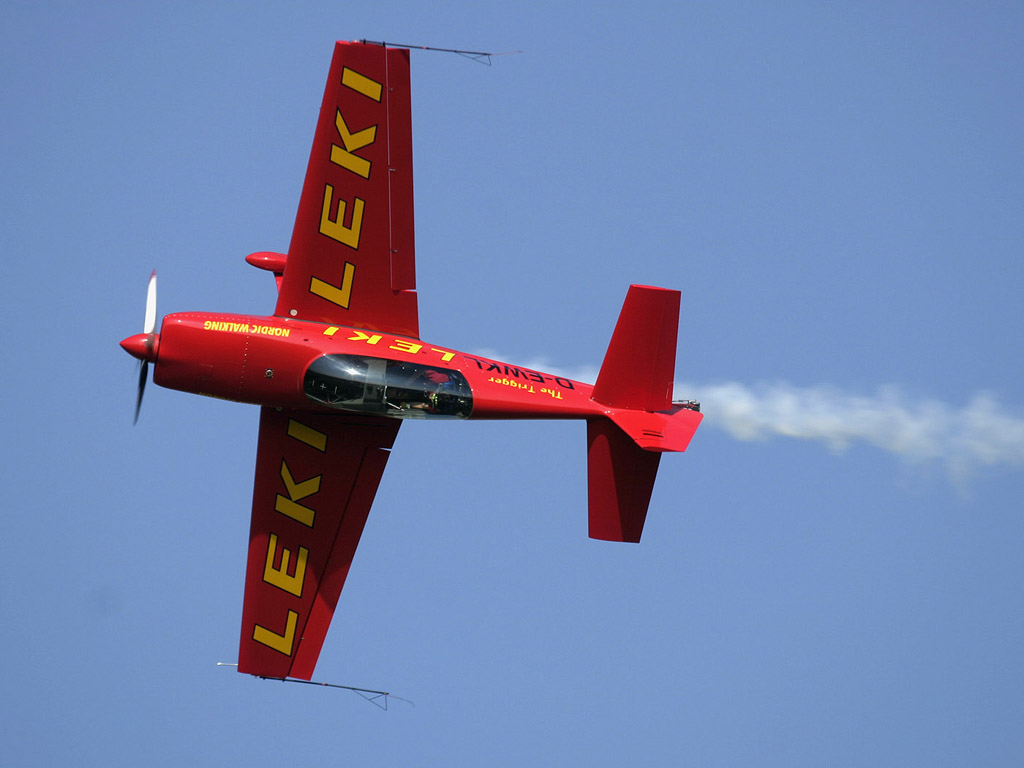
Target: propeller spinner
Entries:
(145, 346)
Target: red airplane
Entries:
(340, 364)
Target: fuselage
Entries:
(298, 364)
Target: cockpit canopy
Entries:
(384, 387)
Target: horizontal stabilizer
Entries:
(620, 479)
(640, 363)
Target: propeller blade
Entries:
(143, 375)
(143, 346)
(150, 325)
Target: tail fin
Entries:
(635, 383)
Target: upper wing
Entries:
(316, 476)
(351, 260)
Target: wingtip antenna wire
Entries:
(379, 699)
(481, 56)
(374, 697)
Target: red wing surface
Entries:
(351, 260)
(316, 476)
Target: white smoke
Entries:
(979, 433)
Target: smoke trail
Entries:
(979, 433)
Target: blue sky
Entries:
(832, 572)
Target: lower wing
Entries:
(316, 477)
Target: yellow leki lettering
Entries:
(402, 345)
(360, 336)
(281, 643)
(279, 576)
(345, 156)
(361, 84)
(287, 505)
(314, 438)
(341, 296)
(335, 228)
(445, 355)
